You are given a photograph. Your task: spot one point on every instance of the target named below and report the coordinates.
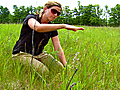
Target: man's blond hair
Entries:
(48, 5)
(52, 3)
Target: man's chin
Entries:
(51, 19)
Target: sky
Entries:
(71, 3)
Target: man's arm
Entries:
(57, 46)
(33, 23)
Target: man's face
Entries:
(53, 12)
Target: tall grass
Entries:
(95, 52)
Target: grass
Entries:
(95, 52)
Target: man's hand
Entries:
(70, 27)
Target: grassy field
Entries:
(95, 52)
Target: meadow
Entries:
(95, 52)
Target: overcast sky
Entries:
(71, 3)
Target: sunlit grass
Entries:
(95, 52)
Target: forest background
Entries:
(91, 15)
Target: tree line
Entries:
(91, 15)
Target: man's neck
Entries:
(44, 19)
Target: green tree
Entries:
(91, 15)
(97, 12)
(4, 14)
(21, 12)
(114, 19)
(67, 15)
(77, 12)
(16, 16)
(106, 14)
(106, 9)
(80, 15)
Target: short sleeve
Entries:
(54, 33)
(28, 17)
